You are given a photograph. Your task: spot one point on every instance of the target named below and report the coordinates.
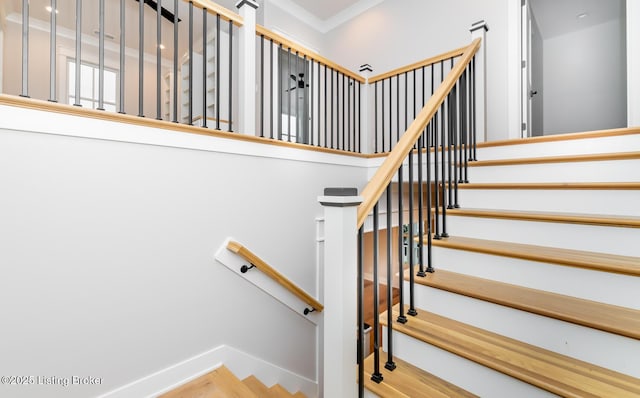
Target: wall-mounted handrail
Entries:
(214, 9)
(378, 184)
(256, 261)
(286, 43)
(425, 62)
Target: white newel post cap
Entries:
(340, 197)
(251, 3)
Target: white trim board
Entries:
(239, 362)
(263, 282)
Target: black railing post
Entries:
(429, 193)
(190, 95)
(443, 130)
(410, 246)
(389, 365)
(78, 62)
(141, 59)
(360, 304)
(382, 117)
(25, 49)
(401, 317)
(159, 60)
(230, 129)
(376, 375)
(175, 118)
(52, 52)
(204, 67)
(217, 105)
(271, 77)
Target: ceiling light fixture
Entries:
(582, 15)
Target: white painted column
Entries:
(479, 30)
(339, 290)
(633, 63)
(366, 112)
(247, 68)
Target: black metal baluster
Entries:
(230, 129)
(159, 60)
(401, 317)
(25, 50)
(376, 375)
(122, 54)
(295, 97)
(271, 77)
(101, 56)
(52, 52)
(289, 96)
(375, 124)
(391, 109)
(343, 113)
(473, 99)
(397, 108)
(421, 193)
(78, 62)
(204, 67)
(280, 93)
(453, 165)
(467, 126)
(382, 116)
(429, 194)
(390, 365)
(360, 305)
(410, 253)
(443, 130)
(463, 126)
(436, 126)
(359, 118)
(348, 148)
(333, 102)
(326, 127)
(175, 62)
(141, 58)
(311, 92)
(190, 105)
(217, 105)
(261, 85)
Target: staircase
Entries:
(537, 290)
(222, 383)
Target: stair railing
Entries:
(256, 262)
(304, 97)
(445, 129)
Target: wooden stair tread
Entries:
(277, 391)
(576, 258)
(610, 318)
(545, 369)
(409, 381)
(595, 157)
(569, 218)
(256, 386)
(553, 185)
(562, 137)
(220, 383)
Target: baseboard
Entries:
(240, 363)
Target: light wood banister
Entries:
(286, 43)
(425, 62)
(375, 188)
(245, 253)
(214, 8)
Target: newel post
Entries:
(339, 284)
(479, 30)
(247, 66)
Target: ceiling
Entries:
(325, 15)
(556, 18)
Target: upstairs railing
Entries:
(179, 61)
(306, 98)
(168, 59)
(437, 144)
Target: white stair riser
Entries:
(604, 287)
(596, 171)
(475, 378)
(604, 239)
(604, 349)
(623, 143)
(613, 202)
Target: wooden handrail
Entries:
(425, 62)
(286, 43)
(245, 253)
(375, 188)
(214, 8)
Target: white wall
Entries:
(106, 249)
(394, 34)
(585, 79)
(537, 79)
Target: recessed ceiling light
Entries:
(48, 8)
(582, 15)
